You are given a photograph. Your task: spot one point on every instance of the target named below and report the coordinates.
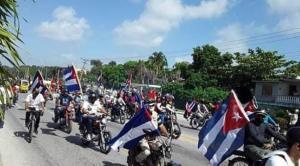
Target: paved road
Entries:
(53, 147)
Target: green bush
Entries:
(182, 95)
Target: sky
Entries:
(62, 32)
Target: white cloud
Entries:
(187, 58)
(160, 16)
(232, 32)
(289, 12)
(65, 26)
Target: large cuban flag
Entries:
(71, 79)
(224, 132)
(38, 82)
(132, 131)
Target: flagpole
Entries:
(77, 78)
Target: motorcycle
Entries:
(161, 151)
(198, 119)
(118, 111)
(172, 125)
(77, 108)
(65, 120)
(99, 133)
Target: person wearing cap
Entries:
(290, 156)
(64, 100)
(256, 143)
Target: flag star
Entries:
(236, 116)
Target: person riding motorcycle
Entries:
(144, 144)
(35, 100)
(77, 98)
(64, 100)
(90, 109)
(202, 109)
(256, 143)
(119, 102)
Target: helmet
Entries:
(260, 112)
(92, 97)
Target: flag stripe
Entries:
(216, 143)
(238, 142)
(224, 147)
(132, 134)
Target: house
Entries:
(285, 92)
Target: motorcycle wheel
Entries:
(238, 161)
(104, 148)
(194, 123)
(69, 126)
(122, 118)
(30, 127)
(176, 131)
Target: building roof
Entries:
(276, 81)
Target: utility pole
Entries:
(84, 61)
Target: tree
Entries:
(257, 65)
(9, 37)
(184, 68)
(292, 71)
(96, 69)
(157, 62)
(112, 63)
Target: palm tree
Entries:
(158, 61)
(9, 37)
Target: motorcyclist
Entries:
(63, 101)
(90, 109)
(202, 107)
(119, 102)
(77, 98)
(256, 143)
(35, 100)
(189, 108)
(144, 144)
(290, 156)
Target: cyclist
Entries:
(35, 100)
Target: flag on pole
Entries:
(38, 82)
(224, 132)
(71, 80)
(133, 132)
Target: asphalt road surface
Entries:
(53, 147)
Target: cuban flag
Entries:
(71, 79)
(38, 82)
(132, 131)
(224, 132)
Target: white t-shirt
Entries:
(276, 160)
(92, 108)
(35, 102)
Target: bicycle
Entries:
(32, 121)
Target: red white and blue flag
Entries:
(224, 132)
(71, 80)
(132, 131)
(38, 82)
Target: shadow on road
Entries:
(108, 163)
(187, 127)
(49, 132)
(21, 109)
(52, 125)
(77, 141)
(22, 134)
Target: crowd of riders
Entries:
(260, 133)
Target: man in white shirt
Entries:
(291, 156)
(90, 109)
(34, 101)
